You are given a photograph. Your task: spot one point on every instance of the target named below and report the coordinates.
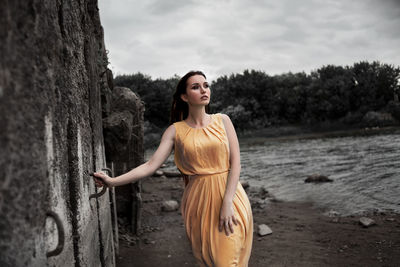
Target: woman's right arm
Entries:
(147, 168)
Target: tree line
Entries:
(255, 99)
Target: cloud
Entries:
(163, 38)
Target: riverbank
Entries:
(290, 132)
(302, 235)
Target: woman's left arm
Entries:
(227, 217)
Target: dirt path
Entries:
(301, 236)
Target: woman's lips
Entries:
(204, 97)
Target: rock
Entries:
(317, 178)
(254, 189)
(124, 99)
(263, 192)
(117, 131)
(263, 230)
(333, 213)
(245, 184)
(158, 173)
(261, 201)
(366, 222)
(258, 203)
(170, 205)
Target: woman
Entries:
(215, 208)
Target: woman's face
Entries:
(197, 91)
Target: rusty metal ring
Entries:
(104, 189)
(61, 235)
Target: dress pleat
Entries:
(203, 155)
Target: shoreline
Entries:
(286, 133)
(292, 132)
(302, 235)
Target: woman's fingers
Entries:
(100, 175)
(99, 178)
(231, 226)
(226, 220)
(227, 227)
(221, 225)
(224, 226)
(235, 221)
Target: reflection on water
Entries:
(365, 170)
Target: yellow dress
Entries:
(202, 156)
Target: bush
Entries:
(239, 116)
(394, 109)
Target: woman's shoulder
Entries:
(171, 129)
(177, 126)
(223, 116)
(220, 114)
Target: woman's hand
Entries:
(227, 218)
(101, 179)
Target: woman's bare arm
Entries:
(227, 216)
(147, 168)
(234, 159)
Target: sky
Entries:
(162, 38)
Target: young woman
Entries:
(215, 208)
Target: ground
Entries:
(302, 235)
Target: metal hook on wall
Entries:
(61, 235)
(104, 189)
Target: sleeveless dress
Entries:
(202, 156)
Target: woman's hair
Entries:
(179, 108)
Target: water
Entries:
(365, 171)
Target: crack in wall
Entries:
(61, 19)
(102, 261)
(73, 190)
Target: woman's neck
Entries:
(198, 117)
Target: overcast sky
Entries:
(162, 38)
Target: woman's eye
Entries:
(195, 87)
(206, 86)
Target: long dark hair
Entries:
(179, 108)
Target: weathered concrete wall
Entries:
(52, 72)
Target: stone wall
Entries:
(53, 70)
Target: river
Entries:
(365, 171)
